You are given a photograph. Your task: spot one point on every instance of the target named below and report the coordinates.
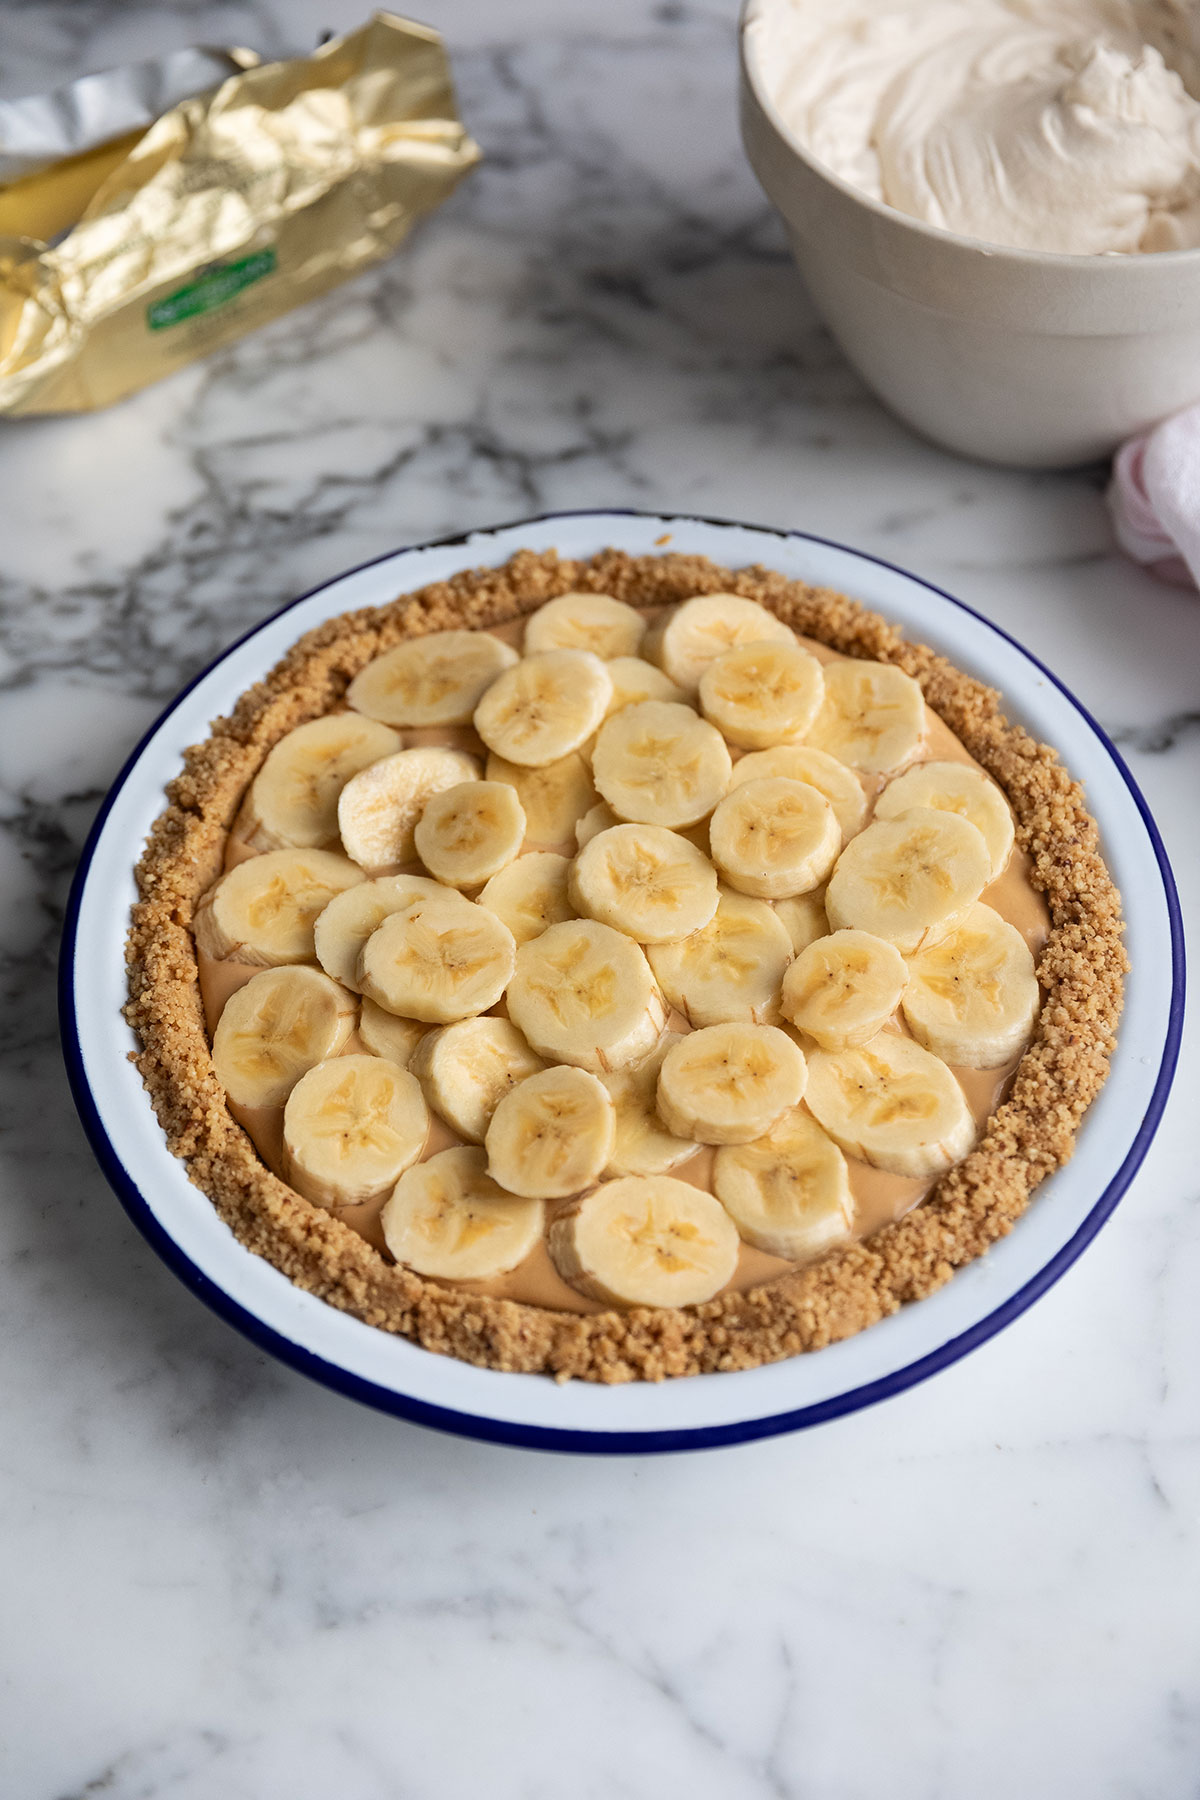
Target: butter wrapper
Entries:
(136, 254)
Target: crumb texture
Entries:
(977, 1202)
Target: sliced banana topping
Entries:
(645, 881)
(276, 1028)
(803, 915)
(872, 717)
(909, 879)
(700, 630)
(731, 968)
(646, 1240)
(466, 1069)
(594, 622)
(659, 763)
(800, 762)
(788, 1192)
(727, 1084)
(554, 797)
(350, 1129)
(530, 894)
(751, 897)
(449, 1219)
(774, 837)
(440, 959)
(264, 910)
(634, 679)
(892, 1104)
(294, 797)
(349, 919)
(955, 788)
(469, 833)
(551, 1135)
(434, 680)
(386, 1035)
(762, 694)
(844, 988)
(544, 707)
(584, 994)
(379, 807)
(643, 1145)
(972, 998)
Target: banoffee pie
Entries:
(622, 968)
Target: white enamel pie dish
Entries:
(530, 1410)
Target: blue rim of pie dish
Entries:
(584, 1441)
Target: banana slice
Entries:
(594, 622)
(469, 833)
(799, 762)
(598, 818)
(553, 797)
(659, 763)
(583, 994)
(544, 707)
(466, 1069)
(955, 788)
(646, 1240)
(276, 1028)
(379, 807)
(909, 879)
(788, 1192)
(643, 1146)
(530, 894)
(449, 1219)
(350, 1129)
(731, 968)
(293, 799)
(551, 1135)
(972, 999)
(774, 837)
(440, 959)
(602, 818)
(649, 883)
(803, 915)
(635, 679)
(434, 680)
(700, 630)
(844, 988)
(873, 716)
(762, 694)
(349, 919)
(387, 1036)
(264, 910)
(727, 1084)
(892, 1104)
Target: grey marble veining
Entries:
(230, 1583)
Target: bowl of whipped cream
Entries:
(995, 205)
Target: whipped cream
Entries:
(1062, 125)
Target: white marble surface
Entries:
(219, 1580)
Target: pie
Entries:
(621, 968)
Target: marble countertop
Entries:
(220, 1580)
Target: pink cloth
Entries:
(1154, 498)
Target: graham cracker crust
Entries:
(976, 1203)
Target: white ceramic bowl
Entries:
(1013, 356)
(400, 1378)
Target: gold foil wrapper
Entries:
(231, 208)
